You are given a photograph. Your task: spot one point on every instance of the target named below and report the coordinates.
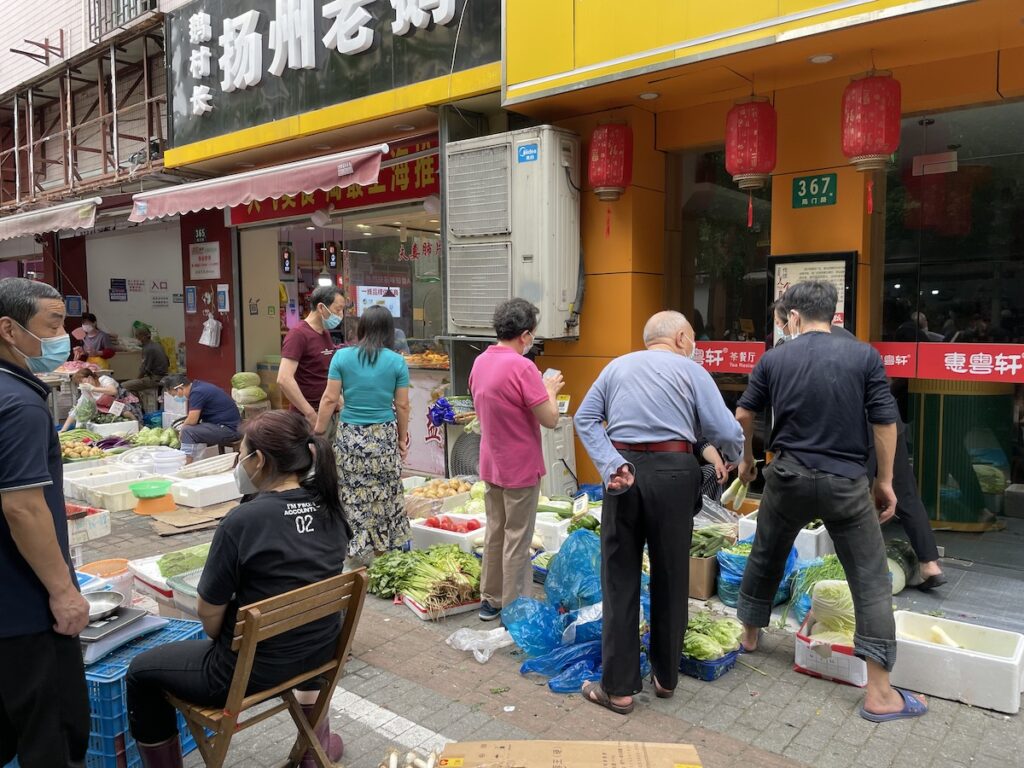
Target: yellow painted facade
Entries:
(951, 55)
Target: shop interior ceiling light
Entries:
(649, 95)
(324, 278)
(821, 58)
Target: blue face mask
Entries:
(53, 352)
(179, 398)
(332, 320)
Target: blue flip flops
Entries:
(912, 707)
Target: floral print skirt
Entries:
(370, 482)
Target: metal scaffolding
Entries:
(98, 121)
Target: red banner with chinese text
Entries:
(729, 356)
(971, 362)
(899, 358)
(397, 183)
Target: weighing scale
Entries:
(97, 630)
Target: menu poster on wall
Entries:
(835, 268)
(369, 295)
(204, 261)
(118, 289)
(73, 306)
(190, 300)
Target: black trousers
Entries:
(656, 511)
(910, 509)
(44, 703)
(196, 671)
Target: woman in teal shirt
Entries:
(372, 439)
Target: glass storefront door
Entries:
(954, 292)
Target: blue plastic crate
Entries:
(153, 419)
(109, 726)
(114, 666)
(708, 670)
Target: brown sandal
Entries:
(661, 693)
(602, 699)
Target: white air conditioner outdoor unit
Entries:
(513, 229)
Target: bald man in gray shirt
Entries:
(656, 405)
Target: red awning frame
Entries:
(342, 169)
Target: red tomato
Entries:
(431, 522)
(473, 525)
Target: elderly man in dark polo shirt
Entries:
(44, 704)
(307, 352)
(820, 386)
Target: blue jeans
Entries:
(793, 496)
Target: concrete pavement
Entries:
(406, 687)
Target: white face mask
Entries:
(88, 327)
(528, 347)
(242, 478)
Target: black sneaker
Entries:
(488, 612)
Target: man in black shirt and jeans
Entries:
(820, 387)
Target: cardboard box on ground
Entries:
(568, 754)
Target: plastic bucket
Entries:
(116, 572)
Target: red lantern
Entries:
(610, 169)
(751, 129)
(871, 121)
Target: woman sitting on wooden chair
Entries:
(292, 533)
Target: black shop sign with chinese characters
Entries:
(239, 63)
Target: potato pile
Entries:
(440, 489)
(77, 450)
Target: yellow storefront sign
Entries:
(555, 47)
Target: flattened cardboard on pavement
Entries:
(189, 519)
(568, 754)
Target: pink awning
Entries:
(79, 214)
(359, 166)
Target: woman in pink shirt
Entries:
(512, 402)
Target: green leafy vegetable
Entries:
(478, 490)
(702, 647)
(183, 561)
(832, 605)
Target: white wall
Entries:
(25, 19)
(146, 253)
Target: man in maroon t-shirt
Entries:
(307, 351)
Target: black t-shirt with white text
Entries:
(820, 386)
(273, 544)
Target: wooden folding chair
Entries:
(263, 621)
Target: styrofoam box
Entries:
(148, 580)
(89, 528)
(206, 491)
(88, 469)
(424, 615)
(829, 661)
(115, 428)
(413, 481)
(81, 486)
(424, 537)
(985, 672)
(167, 419)
(552, 530)
(117, 497)
(809, 544)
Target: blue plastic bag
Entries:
(574, 575)
(730, 574)
(573, 678)
(557, 661)
(536, 626)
